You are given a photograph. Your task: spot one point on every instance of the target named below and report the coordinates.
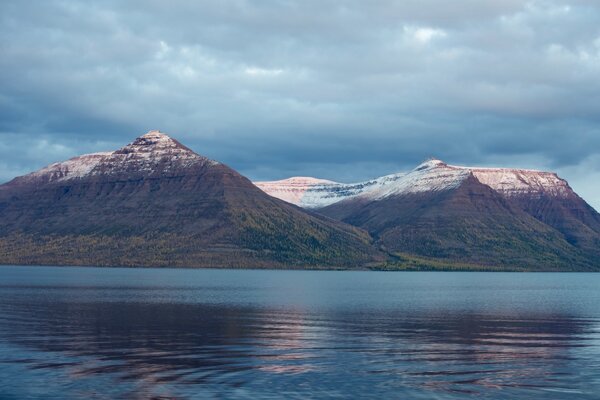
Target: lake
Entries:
(98, 333)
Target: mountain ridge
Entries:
(511, 181)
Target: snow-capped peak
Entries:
(155, 134)
(154, 141)
(156, 138)
(153, 152)
(430, 175)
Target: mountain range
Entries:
(452, 216)
(155, 202)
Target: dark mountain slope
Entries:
(157, 203)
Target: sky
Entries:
(343, 90)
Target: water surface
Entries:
(94, 333)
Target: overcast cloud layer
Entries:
(339, 90)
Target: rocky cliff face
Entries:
(155, 202)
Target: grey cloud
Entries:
(345, 90)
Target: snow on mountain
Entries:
(512, 182)
(317, 193)
(156, 152)
(303, 191)
(431, 175)
(153, 152)
(73, 168)
(309, 192)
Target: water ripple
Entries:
(70, 342)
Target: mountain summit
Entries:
(152, 153)
(156, 144)
(155, 202)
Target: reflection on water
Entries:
(97, 333)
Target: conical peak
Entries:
(155, 142)
(152, 153)
(154, 148)
(154, 137)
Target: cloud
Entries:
(424, 35)
(344, 90)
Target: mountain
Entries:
(313, 193)
(447, 215)
(155, 202)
